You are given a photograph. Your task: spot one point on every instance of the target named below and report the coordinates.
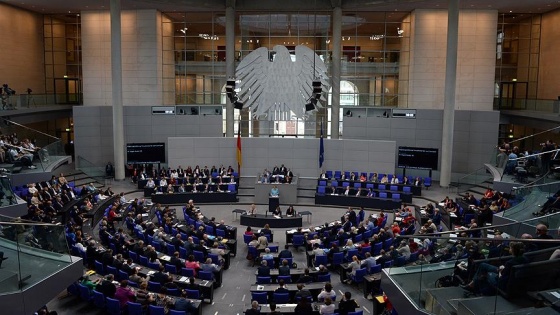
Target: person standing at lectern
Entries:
(274, 192)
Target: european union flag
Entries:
(321, 149)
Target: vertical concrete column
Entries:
(116, 79)
(230, 64)
(335, 72)
(449, 96)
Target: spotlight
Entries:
(311, 104)
(317, 88)
(238, 105)
(348, 113)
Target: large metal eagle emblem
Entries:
(273, 85)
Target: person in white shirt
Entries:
(163, 182)
(394, 180)
(347, 191)
(150, 183)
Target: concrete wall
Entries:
(93, 129)
(549, 67)
(475, 135)
(142, 57)
(476, 59)
(300, 155)
(21, 54)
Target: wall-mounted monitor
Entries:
(418, 158)
(145, 152)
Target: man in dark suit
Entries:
(263, 270)
(107, 287)
(284, 269)
(254, 310)
(159, 276)
(281, 287)
(285, 253)
(176, 261)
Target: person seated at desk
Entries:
(263, 270)
(281, 287)
(327, 292)
(150, 183)
(291, 212)
(289, 176)
(363, 177)
(277, 212)
(192, 264)
(266, 230)
(306, 277)
(254, 310)
(274, 192)
(323, 175)
(302, 293)
(285, 253)
(182, 304)
(347, 191)
(347, 304)
(405, 181)
(384, 179)
(252, 210)
(284, 269)
(395, 179)
(373, 178)
(267, 255)
(249, 231)
(209, 266)
(352, 177)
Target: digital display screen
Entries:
(418, 158)
(145, 152)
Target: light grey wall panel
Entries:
(475, 136)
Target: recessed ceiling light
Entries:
(510, 11)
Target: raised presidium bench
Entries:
(351, 201)
(182, 198)
(259, 220)
(354, 185)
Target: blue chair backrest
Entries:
(377, 247)
(261, 297)
(264, 280)
(375, 269)
(337, 174)
(337, 258)
(171, 268)
(174, 312)
(206, 275)
(156, 310)
(113, 306)
(382, 195)
(134, 308)
(321, 190)
(298, 240)
(394, 188)
(329, 174)
(232, 188)
(187, 272)
(324, 278)
(247, 238)
(98, 299)
(193, 294)
(406, 189)
(369, 186)
(396, 196)
(281, 298)
(382, 187)
(322, 183)
(345, 184)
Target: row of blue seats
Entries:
(112, 306)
